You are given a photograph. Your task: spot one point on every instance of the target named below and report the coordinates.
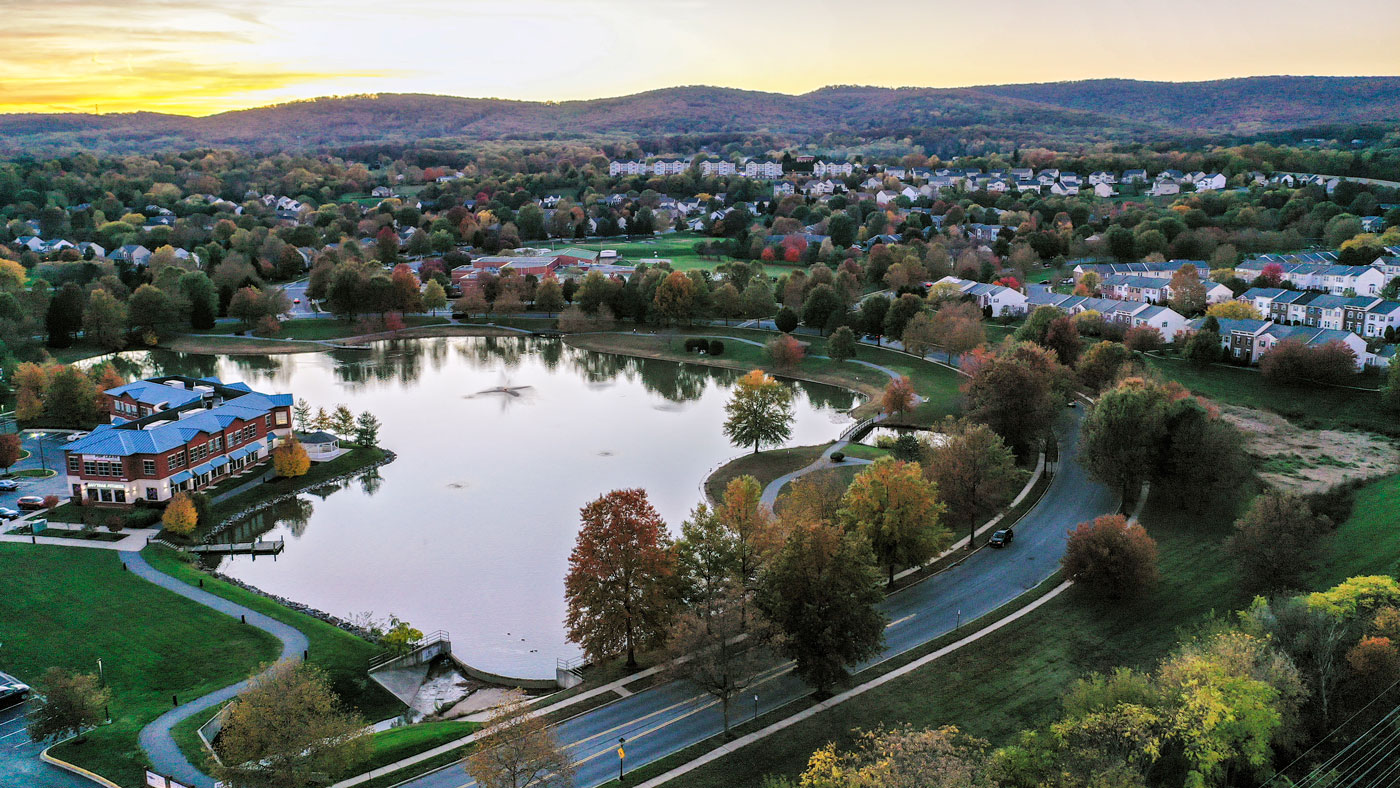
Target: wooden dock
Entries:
(240, 548)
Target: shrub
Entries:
(786, 320)
(838, 456)
(50, 501)
(716, 347)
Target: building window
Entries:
(152, 493)
(281, 419)
(148, 467)
(74, 464)
(216, 444)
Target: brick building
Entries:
(174, 433)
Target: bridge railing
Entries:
(379, 661)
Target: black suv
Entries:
(1001, 538)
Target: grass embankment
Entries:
(936, 383)
(1308, 405)
(398, 743)
(863, 452)
(1013, 678)
(70, 607)
(1368, 543)
(340, 654)
(764, 466)
(320, 472)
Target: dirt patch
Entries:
(1307, 461)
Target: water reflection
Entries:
(469, 530)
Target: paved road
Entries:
(670, 717)
(19, 757)
(155, 738)
(45, 451)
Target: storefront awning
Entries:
(181, 477)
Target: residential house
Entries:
(767, 170)
(1102, 176)
(1104, 190)
(1164, 188)
(1210, 183)
(718, 168)
(1331, 278)
(1002, 301)
(824, 169)
(136, 254)
(616, 168)
(1130, 314)
(1064, 189)
(381, 192)
(1134, 176)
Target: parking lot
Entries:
(45, 451)
(19, 757)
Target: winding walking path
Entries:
(156, 739)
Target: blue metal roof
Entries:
(166, 436)
(182, 476)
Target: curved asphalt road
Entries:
(670, 717)
(155, 738)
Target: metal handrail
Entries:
(430, 639)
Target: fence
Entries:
(382, 661)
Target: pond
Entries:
(470, 529)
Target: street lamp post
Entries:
(621, 756)
(755, 705)
(101, 676)
(43, 455)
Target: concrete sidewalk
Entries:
(155, 738)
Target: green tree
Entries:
(900, 312)
(549, 296)
(150, 310)
(301, 415)
(203, 298)
(434, 297)
(367, 430)
(1390, 394)
(64, 316)
(842, 345)
(820, 592)
(821, 304)
(104, 320)
(899, 513)
(1038, 323)
(1203, 347)
(401, 637)
(759, 411)
(676, 298)
(974, 470)
(757, 300)
(1101, 364)
(342, 422)
(1017, 390)
(1119, 440)
(786, 320)
(67, 704)
(71, 398)
(1275, 542)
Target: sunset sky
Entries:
(205, 57)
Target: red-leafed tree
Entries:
(617, 586)
(899, 396)
(1111, 557)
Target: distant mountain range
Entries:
(1087, 111)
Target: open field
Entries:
(72, 606)
(1314, 406)
(678, 247)
(1368, 543)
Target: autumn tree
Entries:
(1110, 557)
(401, 637)
(974, 471)
(1275, 542)
(1234, 310)
(290, 460)
(517, 749)
(742, 512)
(288, 729)
(899, 397)
(1101, 364)
(619, 575)
(899, 513)
(10, 449)
(785, 351)
(71, 398)
(759, 412)
(1188, 291)
(1062, 336)
(1143, 339)
(721, 651)
(66, 704)
(903, 757)
(920, 335)
(1017, 390)
(842, 345)
(1038, 323)
(180, 517)
(820, 593)
(549, 296)
(812, 498)
(342, 422)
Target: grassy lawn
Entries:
(1321, 407)
(1368, 543)
(863, 452)
(1013, 678)
(398, 743)
(764, 466)
(679, 248)
(72, 606)
(343, 656)
(69, 512)
(326, 329)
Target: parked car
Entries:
(296, 300)
(7, 513)
(8, 485)
(30, 503)
(12, 691)
(1001, 538)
